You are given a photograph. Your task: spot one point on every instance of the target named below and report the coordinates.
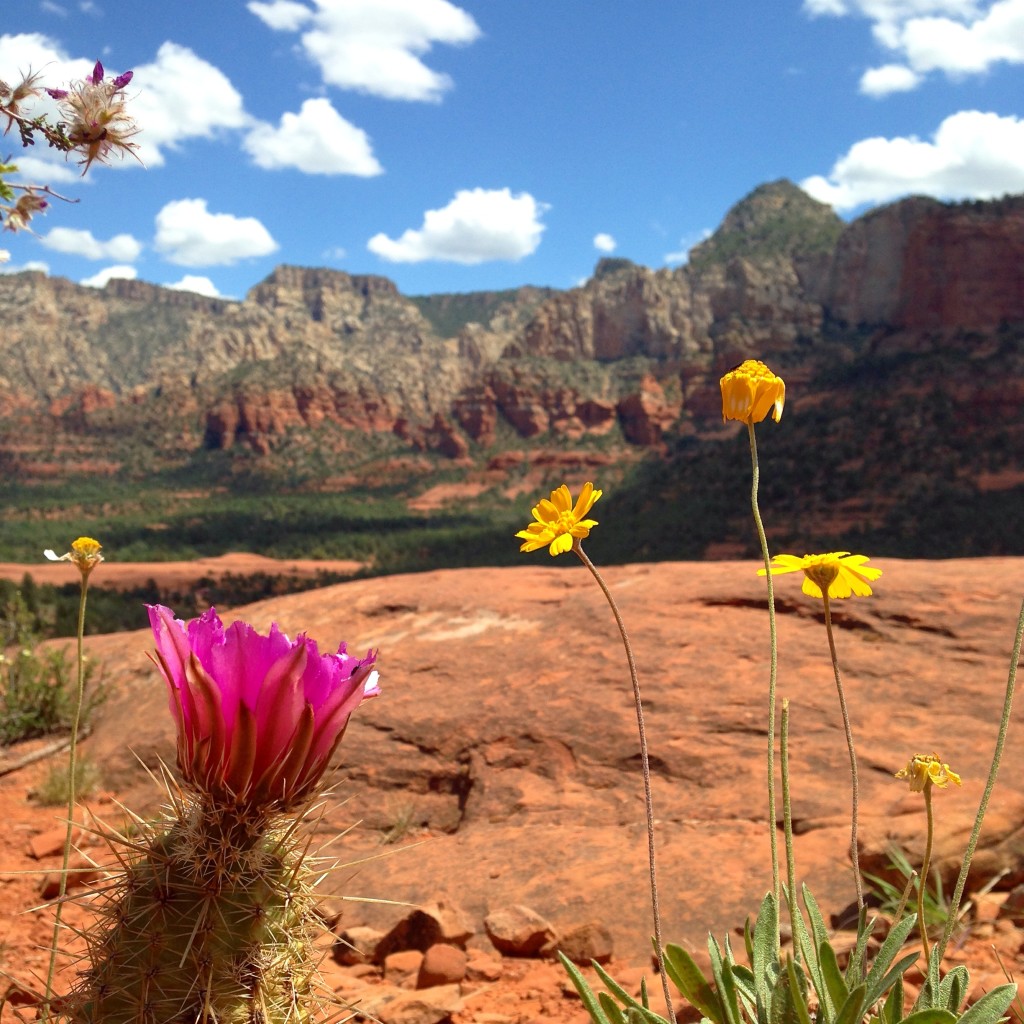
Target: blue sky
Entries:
(483, 144)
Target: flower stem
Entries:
(646, 770)
(926, 865)
(854, 782)
(972, 842)
(774, 665)
(72, 765)
(787, 821)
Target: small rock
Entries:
(51, 842)
(482, 967)
(457, 926)
(587, 942)
(431, 1006)
(989, 905)
(518, 931)
(81, 871)
(442, 965)
(403, 968)
(425, 927)
(1013, 905)
(357, 945)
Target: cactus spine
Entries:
(212, 920)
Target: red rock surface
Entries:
(502, 755)
(126, 575)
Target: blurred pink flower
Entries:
(258, 717)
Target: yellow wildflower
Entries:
(926, 769)
(85, 553)
(838, 572)
(751, 391)
(557, 522)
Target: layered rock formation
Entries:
(320, 359)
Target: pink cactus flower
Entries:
(258, 717)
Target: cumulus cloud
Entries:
(282, 15)
(178, 96)
(24, 52)
(604, 242)
(11, 268)
(888, 79)
(972, 155)
(194, 283)
(476, 226)
(181, 96)
(955, 37)
(100, 279)
(82, 243)
(316, 140)
(190, 236)
(374, 46)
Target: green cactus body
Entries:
(211, 922)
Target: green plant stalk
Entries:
(787, 822)
(774, 664)
(854, 782)
(646, 770)
(72, 764)
(926, 863)
(972, 842)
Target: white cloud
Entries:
(955, 37)
(193, 283)
(82, 243)
(181, 96)
(604, 242)
(375, 46)
(281, 15)
(5, 256)
(177, 97)
(973, 155)
(190, 236)
(26, 52)
(888, 79)
(476, 226)
(100, 279)
(316, 140)
(44, 171)
(10, 268)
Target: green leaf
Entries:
(838, 992)
(929, 997)
(764, 952)
(855, 967)
(853, 1009)
(892, 1012)
(625, 998)
(611, 1008)
(746, 988)
(818, 929)
(727, 985)
(953, 988)
(930, 1017)
(796, 994)
(886, 954)
(991, 1006)
(586, 994)
(810, 954)
(686, 976)
(883, 984)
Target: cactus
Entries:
(212, 919)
